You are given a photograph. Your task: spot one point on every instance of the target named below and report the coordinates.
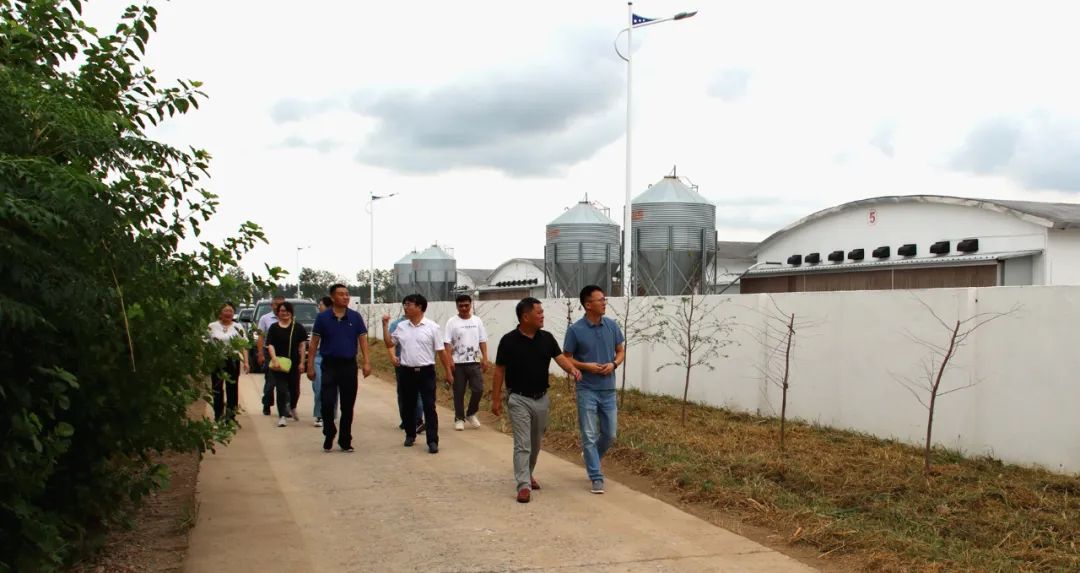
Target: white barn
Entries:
(922, 241)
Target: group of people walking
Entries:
(592, 350)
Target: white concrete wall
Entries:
(1063, 257)
(852, 346)
(897, 224)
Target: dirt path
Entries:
(273, 501)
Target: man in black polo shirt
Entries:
(338, 332)
(523, 358)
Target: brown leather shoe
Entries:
(533, 483)
(523, 495)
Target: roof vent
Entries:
(856, 254)
(813, 258)
(836, 256)
(968, 246)
(907, 250)
(881, 253)
(940, 248)
(795, 260)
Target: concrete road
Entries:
(273, 501)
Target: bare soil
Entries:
(158, 538)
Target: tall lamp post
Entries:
(752, 267)
(371, 278)
(633, 21)
(298, 269)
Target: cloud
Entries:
(989, 147)
(1039, 151)
(730, 85)
(883, 139)
(531, 120)
(321, 145)
(292, 109)
(749, 201)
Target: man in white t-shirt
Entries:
(466, 353)
(421, 345)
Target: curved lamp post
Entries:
(371, 278)
(633, 22)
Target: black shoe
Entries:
(266, 410)
(328, 443)
(409, 442)
(420, 428)
(433, 448)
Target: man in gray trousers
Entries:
(466, 354)
(522, 361)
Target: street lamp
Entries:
(634, 22)
(752, 267)
(371, 278)
(298, 249)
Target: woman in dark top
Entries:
(287, 338)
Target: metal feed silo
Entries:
(582, 248)
(403, 276)
(434, 273)
(674, 239)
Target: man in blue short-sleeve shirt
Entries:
(594, 345)
(339, 333)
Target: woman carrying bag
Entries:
(287, 343)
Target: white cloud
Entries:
(459, 101)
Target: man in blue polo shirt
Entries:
(594, 345)
(337, 335)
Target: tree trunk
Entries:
(787, 368)
(689, 356)
(934, 395)
(622, 391)
(685, 392)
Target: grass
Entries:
(856, 499)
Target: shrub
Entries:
(104, 294)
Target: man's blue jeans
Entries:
(598, 421)
(316, 388)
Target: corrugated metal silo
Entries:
(674, 239)
(434, 273)
(582, 248)
(403, 276)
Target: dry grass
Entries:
(854, 498)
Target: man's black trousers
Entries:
(418, 381)
(339, 378)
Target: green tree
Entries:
(384, 285)
(104, 314)
(244, 284)
(315, 283)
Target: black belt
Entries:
(533, 395)
(417, 368)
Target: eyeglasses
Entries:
(601, 299)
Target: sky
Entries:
(489, 118)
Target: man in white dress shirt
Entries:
(421, 345)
